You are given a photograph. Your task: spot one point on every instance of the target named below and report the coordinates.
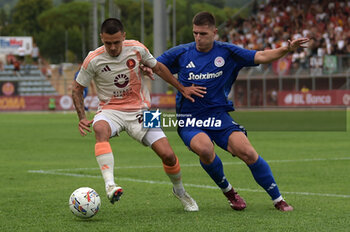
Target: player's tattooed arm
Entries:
(78, 100)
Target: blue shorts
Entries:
(219, 135)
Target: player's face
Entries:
(113, 43)
(204, 36)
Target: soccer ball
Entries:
(84, 202)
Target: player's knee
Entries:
(206, 153)
(204, 150)
(99, 128)
(207, 159)
(249, 155)
(162, 148)
(102, 131)
(166, 154)
(168, 158)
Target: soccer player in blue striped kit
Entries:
(215, 65)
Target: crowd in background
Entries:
(273, 22)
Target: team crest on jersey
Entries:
(121, 80)
(219, 61)
(131, 63)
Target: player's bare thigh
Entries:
(202, 145)
(239, 145)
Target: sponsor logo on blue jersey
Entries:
(205, 76)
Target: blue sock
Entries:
(216, 171)
(263, 176)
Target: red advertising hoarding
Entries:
(34, 103)
(163, 101)
(40, 103)
(314, 98)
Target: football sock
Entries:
(228, 188)
(280, 198)
(105, 160)
(174, 173)
(263, 176)
(216, 171)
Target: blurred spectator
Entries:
(275, 21)
(10, 58)
(35, 54)
(304, 89)
(48, 72)
(21, 54)
(60, 70)
(16, 67)
(52, 103)
(170, 90)
(256, 97)
(273, 97)
(240, 95)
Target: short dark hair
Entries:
(204, 18)
(112, 26)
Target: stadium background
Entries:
(312, 77)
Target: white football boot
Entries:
(187, 201)
(114, 192)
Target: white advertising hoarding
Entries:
(16, 45)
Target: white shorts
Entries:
(132, 123)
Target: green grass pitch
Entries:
(43, 159)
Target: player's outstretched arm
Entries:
(162, 71)
(78, 100)
(267, 56)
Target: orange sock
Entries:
(172, 169)
(174, 173)
(105, 160)
(102, 148)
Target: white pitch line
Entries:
(190, 185)
(197, 164)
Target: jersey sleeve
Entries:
(243, 56)
(85, 75)
(147, 58)
(170, 59)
